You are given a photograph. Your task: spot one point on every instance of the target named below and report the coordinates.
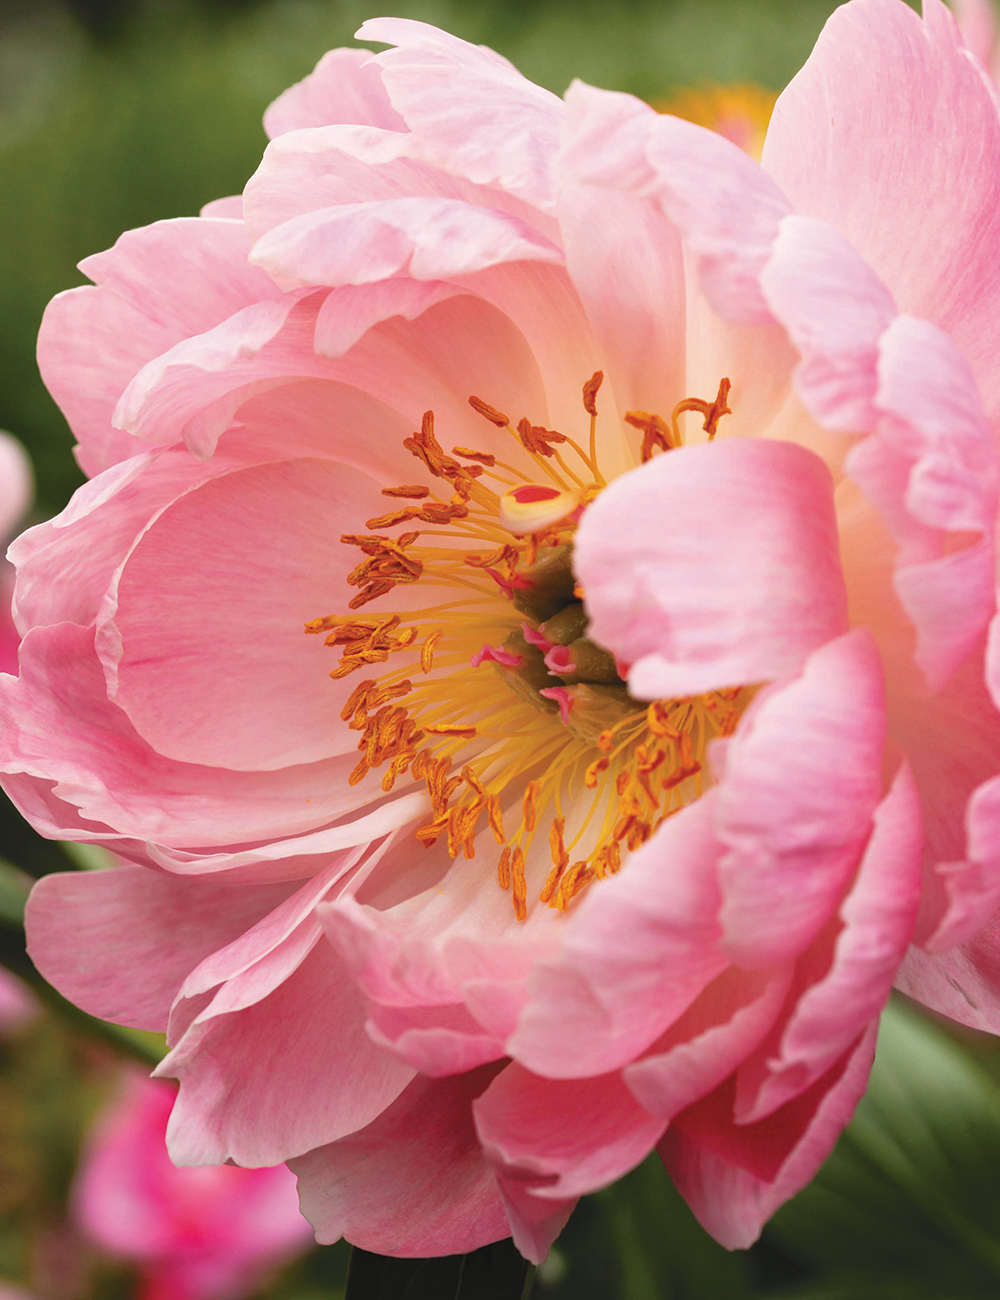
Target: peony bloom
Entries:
(195, 1234)
(639, 504)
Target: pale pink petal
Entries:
(106, 771)
(714, 565)
(471, 111)
(350, 312)
(878, 916)
(535, 1221)
(414, 1182)
(345, 86)
(210, 661)
(94, 340)
(726, 208)
(426, 238)
(641, 947)
(706, 1044)
(835, 309)
(874, 167)
(794, 810)
(622, 252)
(328, 166)
(229, 208)
(562, 1138)
(290, 1073)
(84, 928)
(977, 20)
(734, 1178)
(932, 469)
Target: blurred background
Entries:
(115, 113)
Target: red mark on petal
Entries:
(532, 492)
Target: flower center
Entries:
(503, 706)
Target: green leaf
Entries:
(663, 1252)
(15, 885)
(495, 1272)
(912, 1190)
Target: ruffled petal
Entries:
(471, 111)
(94, 340)
(801, 782)
(735, 1177)
(85, 928)
(874, 168)
(290, 1073)
(345, 86)
(563, 1138)
(426, 238)
(714, 565)
(413, 1182)
(962, 983)
(878, 917)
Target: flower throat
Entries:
(514, 711)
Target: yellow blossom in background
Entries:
(740, 111)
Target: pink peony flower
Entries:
(195, 1234)
(463, 940)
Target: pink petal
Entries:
(726, 208)
(210, 662)
(962, 983)
(713, 565)
(103, 769)
(290, 1073)
(426, 238)
(437, 1041)
(972, 886)
(878, 917)
(801, 782)
(835, 309)
(413, 1182)
(562, 1138)
(345, 86)
(641, 947)
(977, 20)
(93, 341)
(894, 81)
(624, 255)
(472, 112)
(734, 1178)
(16, 483)
(706, 1044)
(86, 928)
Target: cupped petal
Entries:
(735, 1177)
(801, 782)
(971, 886)
(639, 950)
(874, 167)
(706, 1044)
(413, 1182)
(562, 1138)
(261, 699)
(102, 768)
(437, 1041)
(94, 340)
(278, 1078)
(714, 565)
(85, 928)
(425, 238)
(345, 86)
(878, 918)
(472, 112)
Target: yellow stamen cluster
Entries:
(519, 748)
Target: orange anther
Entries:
(488, 412)
(590, 391)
